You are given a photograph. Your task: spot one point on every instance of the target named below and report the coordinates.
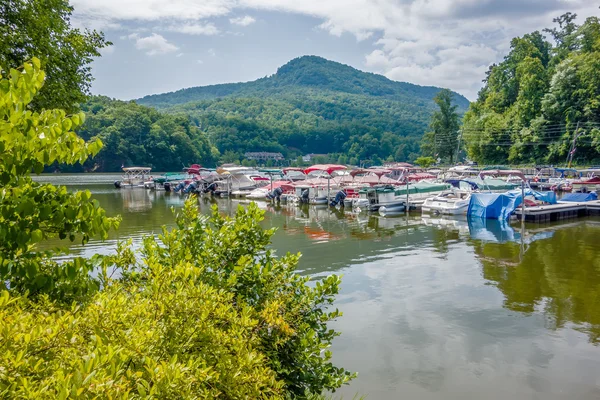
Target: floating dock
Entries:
(559, 211)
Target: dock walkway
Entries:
(559, 211)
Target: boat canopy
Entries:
(417, 187)
(137, 169)
(492, 184)
(329, 168)
(375, 171)
(419, 176)
(270, 171)
(462, 169)
(503, 172)
(423, 187)
(292, 169)
(171, 176)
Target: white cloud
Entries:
(208, 29)
(435, 42)
(153, 45)
(199, 61)
(152, 10)
(242, 21)
(179, 55)
(211, 52)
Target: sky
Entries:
(166, 45)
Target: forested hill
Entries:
(307, 73)
(311, 105)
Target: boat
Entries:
(168, 180)
(133, 177)
(239, 181)
(454, 201)
(502, 205)
(320, 186)
(591, 183)
(372, 198)
(261, 193)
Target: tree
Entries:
(441, 141)
(31, 212)
(425, 162)
(41, 28)
(533, 102)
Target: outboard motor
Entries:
(180, 186)
(167, 186)
(339, 198)
(275, 194)
(304, 196)
(118, 184)
(211, 188)
(190, 188)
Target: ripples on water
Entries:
(434, 308)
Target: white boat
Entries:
(450, 202)
(239, 181)
(134, 177)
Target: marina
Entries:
(392, 189)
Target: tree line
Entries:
(541, 104)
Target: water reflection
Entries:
(434, 307)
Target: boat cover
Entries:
(502, 205)
(580, 197)
(491, 184)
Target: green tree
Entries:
(536, 101)
(425, 162)
(41, 28)
(442, 140)
(31, 212)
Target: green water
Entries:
(433, 308)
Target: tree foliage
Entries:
(441, 142)
(41, 28)
(534, 102)
(135, 135)
(31, 212)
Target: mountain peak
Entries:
(309, 72)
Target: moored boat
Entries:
(133, 177)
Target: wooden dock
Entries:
(559, 211)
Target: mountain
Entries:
(307, 72)
(311, 105)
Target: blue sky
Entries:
(166, 45)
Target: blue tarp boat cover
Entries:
(580, 197)
(502, 205)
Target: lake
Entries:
(434, 308)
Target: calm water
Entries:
(433, 308)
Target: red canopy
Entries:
(288, 169)
(419, 176)
(329, 168)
